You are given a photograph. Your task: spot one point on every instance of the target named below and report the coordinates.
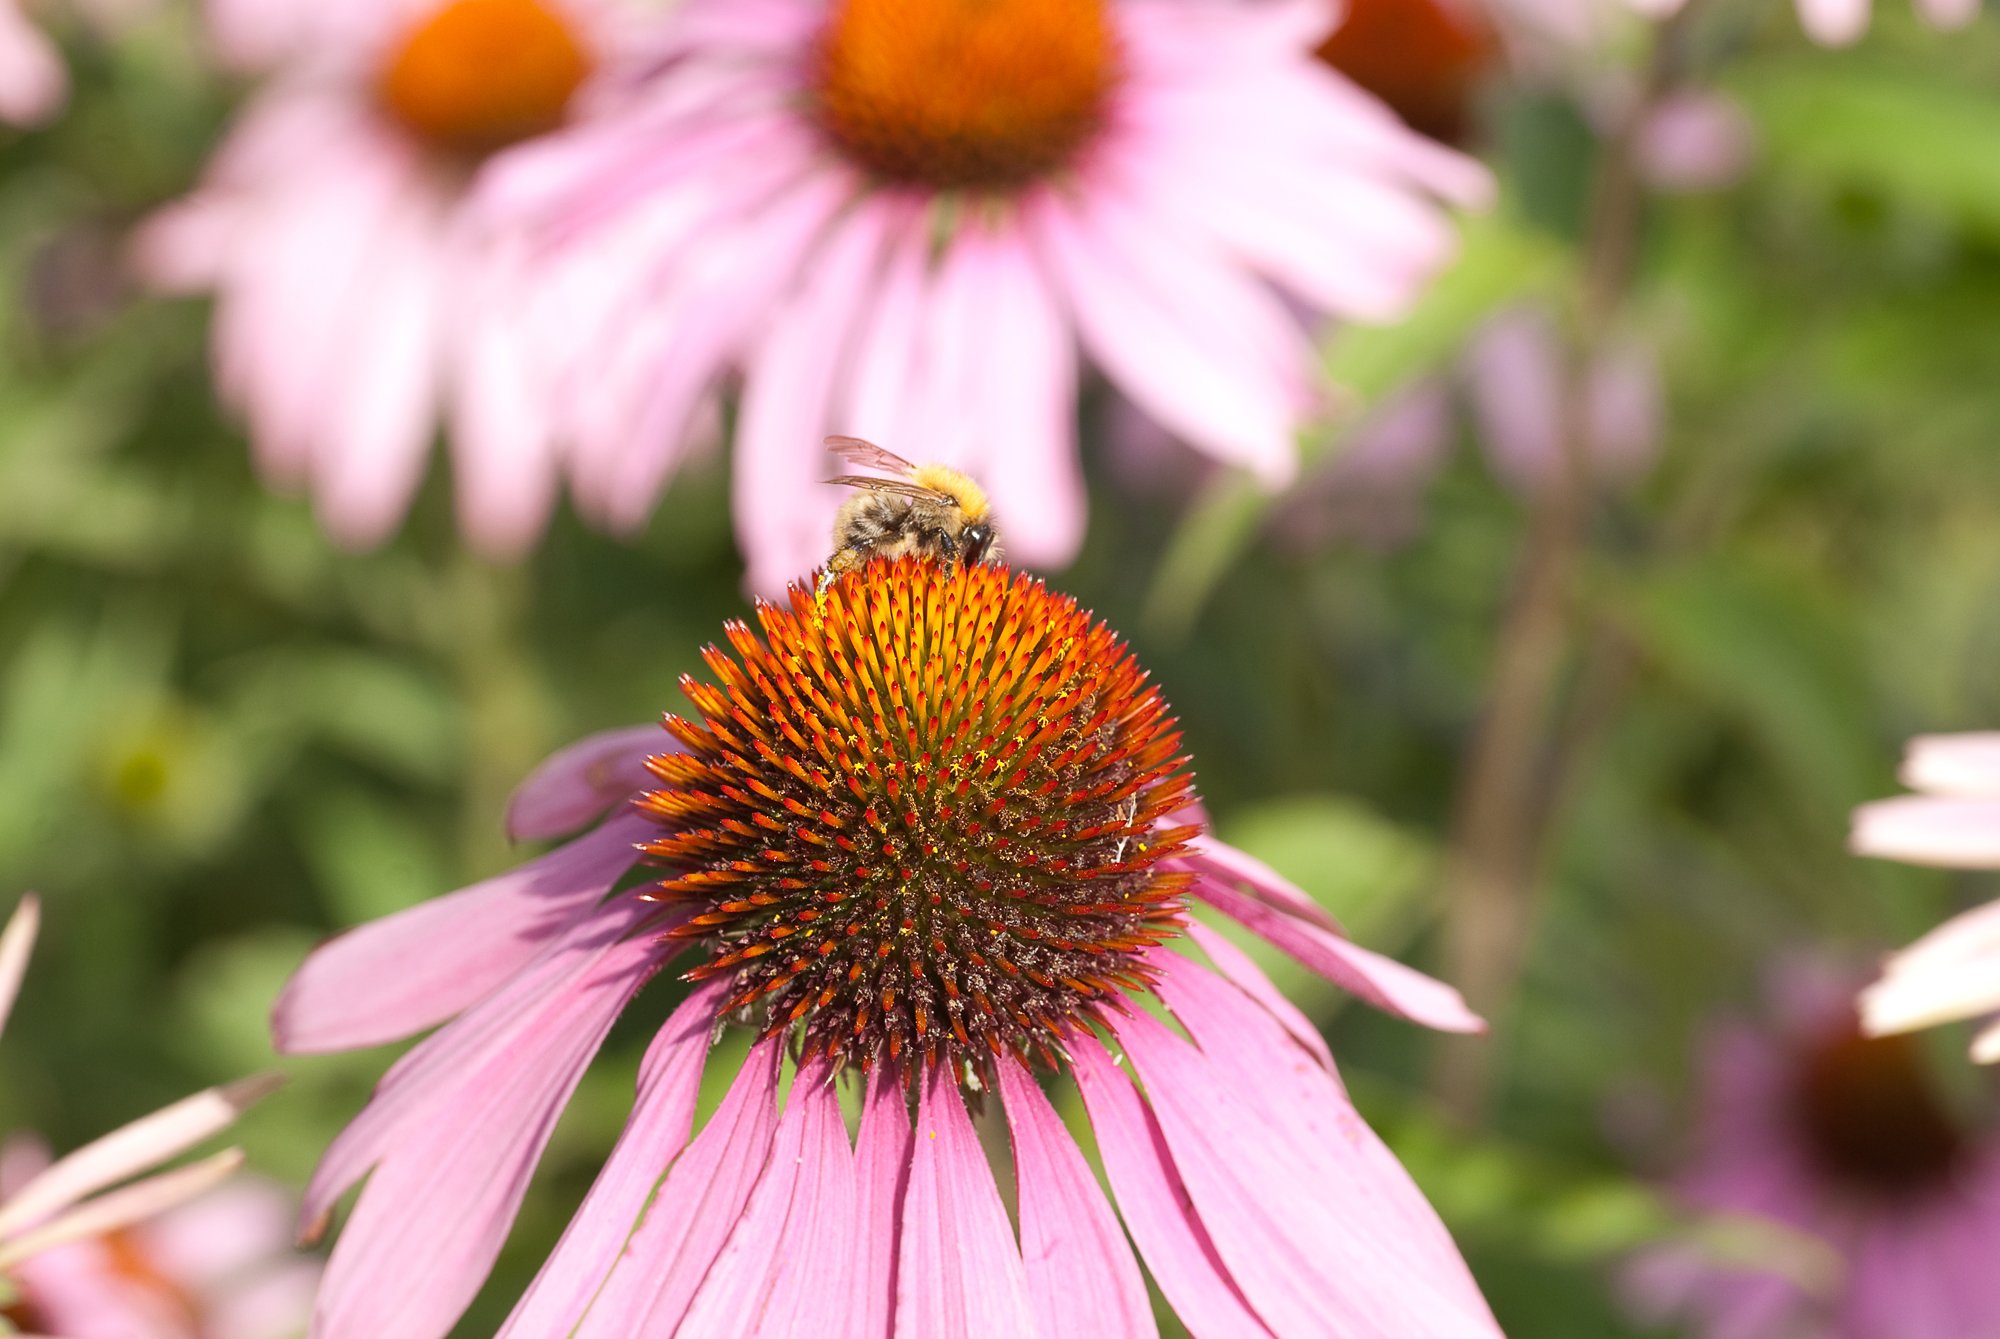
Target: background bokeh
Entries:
(222, 738)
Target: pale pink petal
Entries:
(960, 1275)
(578, 782)
(654, 1135)
(1834, 22)
(1382, 982)
(121, 1208)
(1695, 140)
(129, 1150)
(1965, 764)
(882, 1176)
(876, 400)
(438, 1206)
(17, 942)
(1947, 13)
(185, 247)
(218, 1236)
(502, 428)
(413, 970)
(1195, 344)
(1024, 416)
(787, 1270)
(1986, 1045)
(1952, 973)
(663, 1265)
(33, 82)
(1235, 964)
(782, 509)
(1082, 1278)
(1329, 1242)
(1930, 830)
(275, 1304)
(1155, 1205)
(370, 458)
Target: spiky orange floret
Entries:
(920, 817)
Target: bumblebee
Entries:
(932, 510)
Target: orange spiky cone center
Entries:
(920, 817)
(478, 75)
(979, 94)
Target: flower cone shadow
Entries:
(1256, 1195)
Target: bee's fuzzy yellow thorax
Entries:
(969, 496)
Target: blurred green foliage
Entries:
(221, 739)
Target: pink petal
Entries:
(17, 942)
(413, 970)
(696, 1210)
(576, 784)
(119, 1209)
(1966, 765)
(1930, 830)
(1834, 22)
(33, 83)
(1196, 344)
(960, 1275)
(783, 512)
(654, 1135)
(1082, 1278)
(1382, 982)
(1155, 1205)
(876, 397)
(433, 1216)
(882, 1175)
(1236, 965)
(787, 1270)
(1330, 1242)
(1223, 861)
(502, 424)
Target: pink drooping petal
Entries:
(1206, 855)
(500, 405)
(782, 509)
(876, 403)
(1834, 22)
(654, 1135)
(1951, 973)
(664, 1264)
(33, 82)
(439, 1203)
(882, 1176)
(1196, 345)
(116, 1210)
(1382, 982)
(1946, 831)
(1155, 1204)
(960, 1274)
(17, 942)
(1329, 1242)
(1082, 1278)
(1947, 13)
(576, 784)
(787, 1272)
(1964, 764)
(410, 971)
(1235, 964)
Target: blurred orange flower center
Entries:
(1872, 1118)
(982, 94)
(478, 75)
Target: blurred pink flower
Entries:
(1954, 971)
(54, 1215)
(357, 304)
(828, 876)
(33, 82)
(1514, 377)
(901, 220)
(1807, 1124)
(1695, 140)
(219, 1267)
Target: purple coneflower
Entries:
(88, 1200)
(930, 839)
(900, 218)
(1954, 971)
(356, 305)
(1810, 1125)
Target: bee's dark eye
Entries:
(976, 539)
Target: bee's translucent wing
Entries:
(869, 456)
(896, 486)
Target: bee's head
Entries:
(975, 542)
